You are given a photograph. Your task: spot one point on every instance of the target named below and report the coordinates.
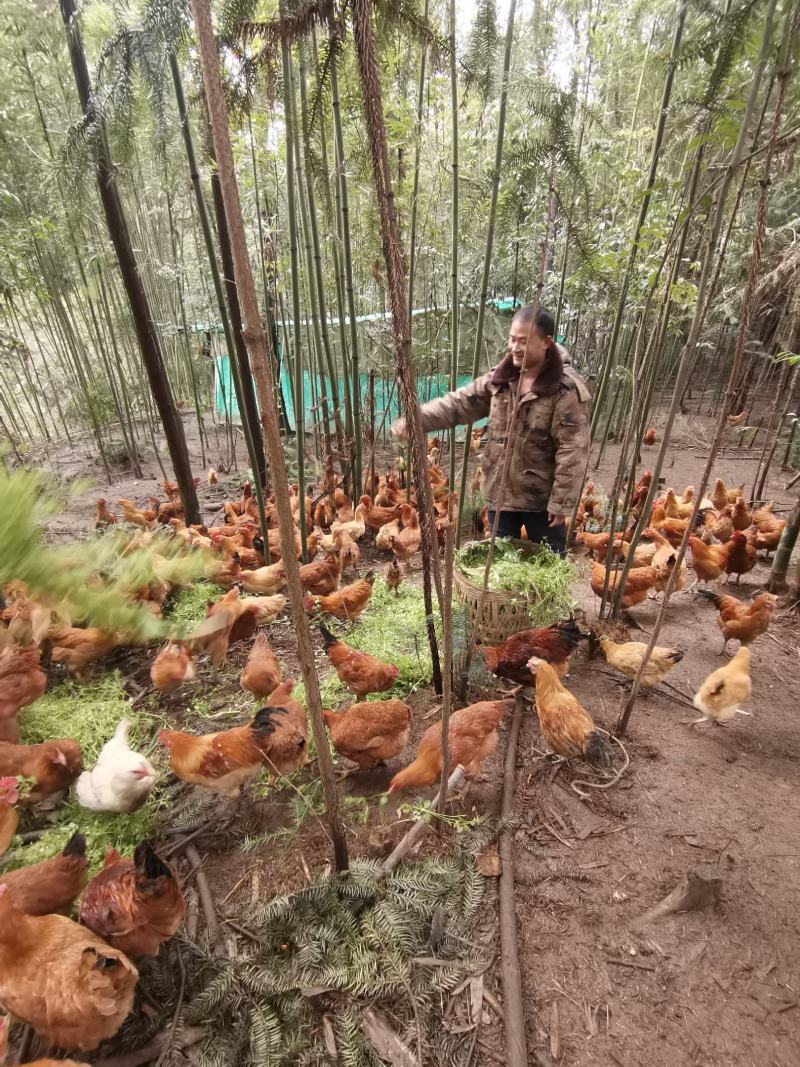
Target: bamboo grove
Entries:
(629, 166)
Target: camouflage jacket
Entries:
(550, 439)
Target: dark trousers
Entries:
(535, 523)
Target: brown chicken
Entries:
(288, 747)
(171, 509)
(769, 534)
(359, 671)
(173, 666)
(225, 761)
(393, 576)
(383, 538)
(265, 580)
(135, 516)
(640, 491)
(742, 516)
(77, 648)
(370, 733)
(555, 644)
(103, 516)
(649, 437)
(232, 619)
(764, 515)
(722, 495)
(740, 621)
(21, 682)
(322, 578)
(348, 550)
(407, 542)
(54, 765)
(597, 543)
(376, 517)
(72, 988)
(627, 656)
(720, 524)
(9, 820)
(350, 600)
(639, 582)
(566, 727)
(52, 886)
(741, 555)
(678, 509)
(261, 674)
(133, 904)
(472, 737)
(708, 560)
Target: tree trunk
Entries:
(118, 231)
(258, 349)
(393, 257)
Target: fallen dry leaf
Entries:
(385, 1040)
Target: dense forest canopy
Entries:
(582, 154)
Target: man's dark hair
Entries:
(539, 316)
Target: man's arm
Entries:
(570, 431)
(468, 404)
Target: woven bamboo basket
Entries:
(503, 612)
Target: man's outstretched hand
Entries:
(398, 429)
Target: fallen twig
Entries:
(170, 1041)
(186, 1037)
(206, 899)
(631, 963)
(696, 891)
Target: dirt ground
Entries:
(714, 987)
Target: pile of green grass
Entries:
(89, 714)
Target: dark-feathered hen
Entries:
(553, 644)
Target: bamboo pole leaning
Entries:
(257, 347)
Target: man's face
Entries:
(525, 343)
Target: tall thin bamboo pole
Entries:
(258, 349)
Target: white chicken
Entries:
(121, 779)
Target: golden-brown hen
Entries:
(741, 555)
(740, 621)
(359, 671)
(262, 671)
(566, 726)
(54, 765)
(21, 678)
(370, 733)
(286, 748)
(72, 988)
(708, 560)
(322, 577)
(349, 601)
(472, 736)
(9, 820)
(133, 904)
(77, 647)
(626, 657)
(173, 666)
(639, 582)
(52, 886)
(724, 690)
(225, 761)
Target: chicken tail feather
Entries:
(262, 723)
(708, 595)
(327, 636)
(148, 863)
(597, 750)
(76, 846)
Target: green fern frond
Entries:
(480, 59)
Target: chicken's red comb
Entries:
(9, 790)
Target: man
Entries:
(549, 437)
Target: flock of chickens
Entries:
(74, 982)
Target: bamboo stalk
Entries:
(258, 350)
